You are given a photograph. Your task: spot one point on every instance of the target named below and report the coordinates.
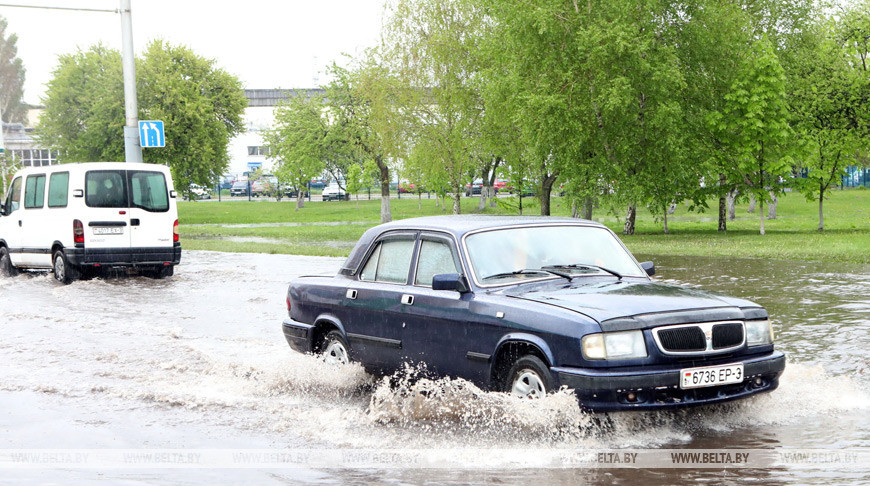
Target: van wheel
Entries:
(64, 272)
(529, 377)
(160, 272)
(6, 267)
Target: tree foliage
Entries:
(11, 77)
(201, 106)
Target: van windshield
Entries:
(126, 189)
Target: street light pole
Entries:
(132, 149)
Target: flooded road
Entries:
(198, 362)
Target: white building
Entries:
(247, 151)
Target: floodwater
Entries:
(197, 362)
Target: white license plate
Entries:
(109, 230)
(711, 376)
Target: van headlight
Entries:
(614, 345)
(759, 333)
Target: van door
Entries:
(10, 224)
(33, 225)
(151, 217)
(106, 220)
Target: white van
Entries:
(77, 219)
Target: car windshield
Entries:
(507, 255)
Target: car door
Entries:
(34, 229)
(437, 321)
(106, 221)
(11, 223)
(151, 221)
(374, 302)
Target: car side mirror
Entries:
(173, 194)
(450, 281)
(78, 193)
(649, 268)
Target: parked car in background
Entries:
(78, 219)
(474, 188)
(527, 305)
(501, 185)
(334, 192)
(199, 192)
(240, 188)
(258, 188)
(292, 192)
(317, 184)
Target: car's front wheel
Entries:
(529, 377)
(333, 350)
(6, 267)
(64, 272)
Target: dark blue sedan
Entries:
(528, 305)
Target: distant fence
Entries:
(856, 177)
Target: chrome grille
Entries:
(700, 338)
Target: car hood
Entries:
(623, 305)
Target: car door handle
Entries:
(407, 299)
(134, 222)
(351, 294)
(19, 223)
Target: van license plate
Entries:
(711, 376)
(109, 230)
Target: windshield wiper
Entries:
(526, 271)
(585, 265)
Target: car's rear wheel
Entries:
(64, 272)
(333, 350)
(529, 377)
(6, 267)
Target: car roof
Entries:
(457, 225)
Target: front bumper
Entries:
(124, 257)
(604, 390)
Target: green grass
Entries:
(793, 235)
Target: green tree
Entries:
(11, 77)
(755, 120)
(201, 105)
(297, 142)
(431, 46)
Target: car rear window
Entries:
(127, 188)
(106, 189)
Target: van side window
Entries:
(105, 189)
(34, 192)
(148, 191)
(58, 190)
(13, 199)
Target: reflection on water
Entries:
(199, 361)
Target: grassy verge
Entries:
(331, 228)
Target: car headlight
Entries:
(614, 345)
(759, 333)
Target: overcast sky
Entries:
(267, 44)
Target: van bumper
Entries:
(124, 257)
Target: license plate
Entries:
(109, 230)
(711, 376)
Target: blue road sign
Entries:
(151, 134)
(255, 165)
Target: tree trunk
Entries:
(386, 212)
(771, 208)
(666, 222)
(575, 210)
(761, 214)
(732, 199)
(629, 220)
(723, 214)
(546, 190)
(821, 202)
(300, 199)
(457, 202)
(420, 201)
(587, 208)
(752, 203)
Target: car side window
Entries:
(58, 190)
(390, 262)
(13, 199)
(34, 192)
(436, 257)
